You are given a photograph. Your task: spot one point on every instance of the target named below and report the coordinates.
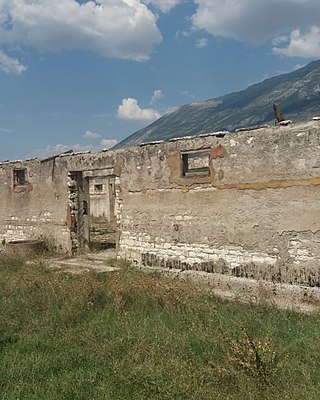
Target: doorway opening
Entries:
(91, 211)
(102, 219)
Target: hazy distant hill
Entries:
(298, 94)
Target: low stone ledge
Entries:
(284, 296)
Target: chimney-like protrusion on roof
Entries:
(277, 113)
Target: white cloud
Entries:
(163, 5)
(130, 109)
(91, 135)
(183, 34)
(5, 130)
(280, 40)
(11, 65)
(255, 21)
(301, 45)
(108, 143)
(157, 95)
(113, 28)
(51, 150)
(203, 42)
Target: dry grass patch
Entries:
(128, 335)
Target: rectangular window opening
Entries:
(98, 188)
(195, 163)
(20, 177)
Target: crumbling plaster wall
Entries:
(38, 210)
(35, 210)
(256, 215)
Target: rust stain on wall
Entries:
(220, 174)
(23, 188)
(272, 184)
(217, 152)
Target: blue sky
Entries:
(86, 74)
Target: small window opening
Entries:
(98, 188)
(195, 163)
(85, 207)
(20, 177)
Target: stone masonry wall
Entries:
(256, 215)
(34, 209)
(252, 212)
(35, 199)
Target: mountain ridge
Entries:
(297, 92)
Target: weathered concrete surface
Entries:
(103, 262)
(252, 212)
(255, 215)
(36, 210)
(269, 235)
(54, 203)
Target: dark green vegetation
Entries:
(127, 335)
(298, 94)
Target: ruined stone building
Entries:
(243, 204)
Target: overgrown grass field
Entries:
(127, 335)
